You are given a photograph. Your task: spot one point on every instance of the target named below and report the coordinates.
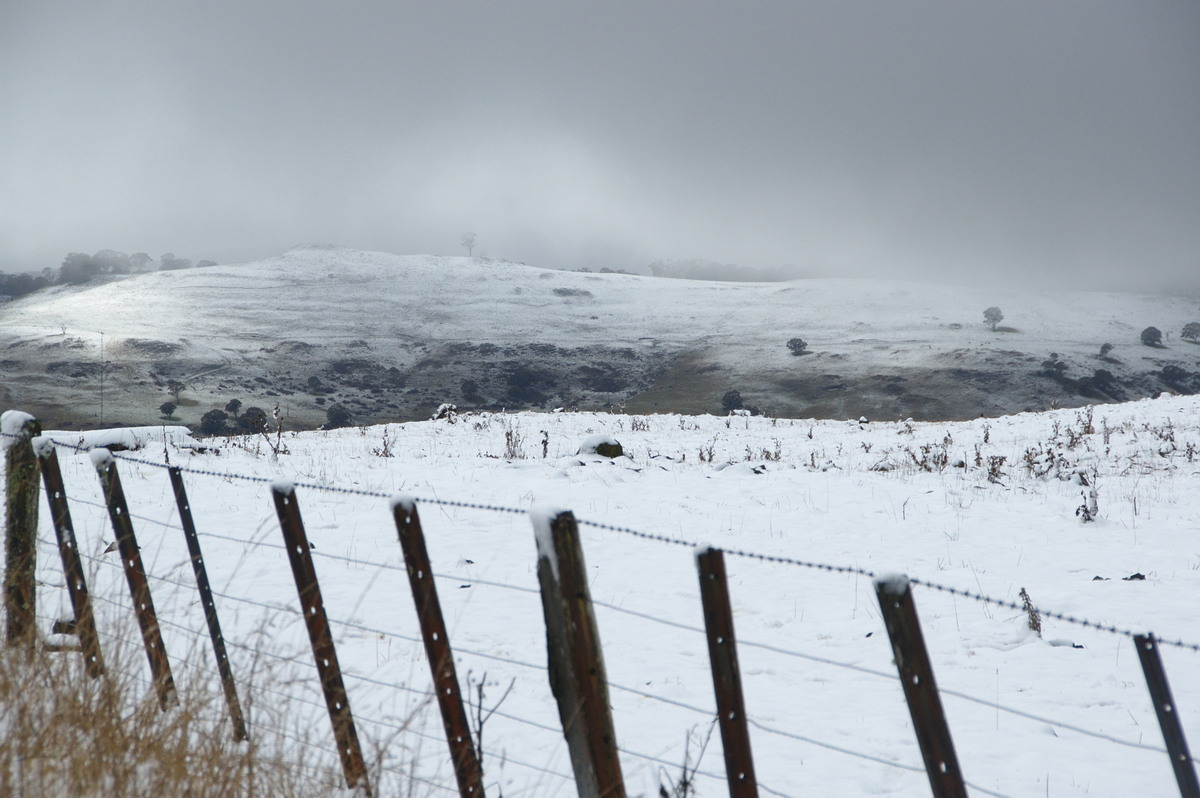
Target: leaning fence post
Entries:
(68, 551)
(313, 608)
(206, 600)
(1168, 715)
(135, 575)
(437, 648)
(920, 688)
(727, 680)
(577, 675)
(20, 525)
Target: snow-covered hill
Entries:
(984, 506)
(392, 337)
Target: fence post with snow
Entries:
(576, 662)
(20, 525)
(920, 688)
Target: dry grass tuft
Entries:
(62, 733)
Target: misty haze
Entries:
(866, 295)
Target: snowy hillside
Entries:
(983, 507)
(392, 337)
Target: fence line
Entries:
(773, 559)
(692, 544)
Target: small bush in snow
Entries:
(1152, 336)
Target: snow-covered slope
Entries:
(985, 506)
(392, 337)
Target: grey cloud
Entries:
(1053, 144)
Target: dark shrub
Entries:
(732, 400)
(337, 416)
(1152, 336)
(213, 422)
(253, 420)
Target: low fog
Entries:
(1018, 143)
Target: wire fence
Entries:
(196, 635)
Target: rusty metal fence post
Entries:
(727, 680)
(1168, 715)
(437, 648)
(210, 607)
(313, 608)
(135, 575)
(577, 674)
(920, 688)
(20, 526)
(68, 552)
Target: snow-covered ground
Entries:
(985, 507)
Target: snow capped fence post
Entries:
(20, 525)
(727, 680)
(1168, 715)
(313, 608)
(437, 648)
(68, 551)
(920, 688)
(576, 662)
(135, 575)
(206, 601)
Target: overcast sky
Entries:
(1042, 143)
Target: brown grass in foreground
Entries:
(64, 734)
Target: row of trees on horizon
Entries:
(80, 267)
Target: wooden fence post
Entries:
(577, 675)
(920, 688)
(1168, 715)
(20, 526)
(727, 680)
(135, 575)
(210, 607)
(437, 648)
(313, 608)
(68, 551)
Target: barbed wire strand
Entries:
(768, 558)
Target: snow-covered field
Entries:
(986, 507)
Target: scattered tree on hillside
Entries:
(1191, 331)
(1152, 336)
(233, 406)
(797, 346)
(993, 316)
(468, 241)
(1105, 349)
(213, 422)
(140, 262)
(253, 420)
(337, 416)
(77, 267)
(167, 409)
(175, 387)
(732, 400)
(168, 262)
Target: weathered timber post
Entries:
(727, 679)
(577, 675)
(313, 608)
(20, 525)
(135, 575)
(68, 552)
(920, 688)
(1168, 715)
(437, 648)
(210, 607)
